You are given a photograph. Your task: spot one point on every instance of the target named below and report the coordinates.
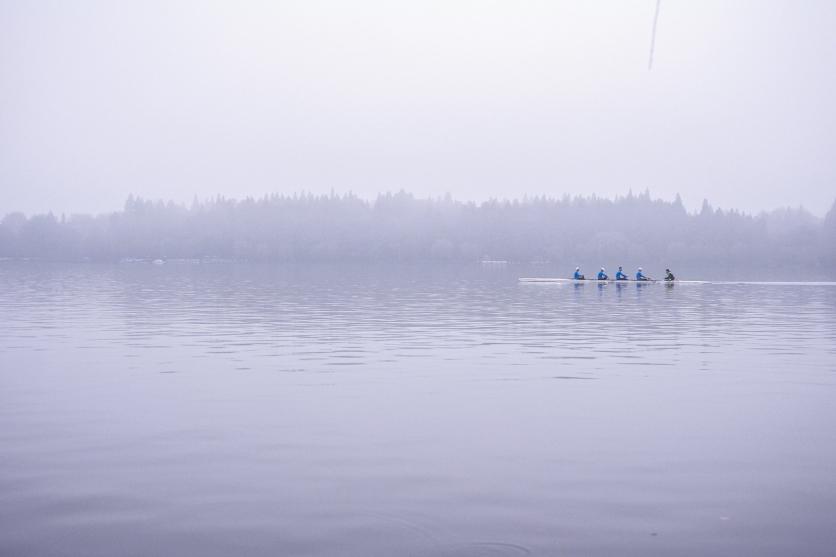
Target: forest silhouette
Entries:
(401, 227)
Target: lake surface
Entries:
(233, 409)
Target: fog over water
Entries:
(291, 278)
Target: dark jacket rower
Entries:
(668, 275)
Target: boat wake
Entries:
(641, 282)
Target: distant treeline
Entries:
(402, 227)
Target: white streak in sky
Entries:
(653, 35)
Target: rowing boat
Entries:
(590, 280)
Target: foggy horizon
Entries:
(691, 206)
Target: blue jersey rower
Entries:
(621, 275)
(602, 275)
(640, 275)
(578, 275)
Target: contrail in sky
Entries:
(653, 35)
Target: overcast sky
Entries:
(479, 99)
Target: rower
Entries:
(640, 275)
(602, 275)
(668, 275)
(621, 275)
(578, 275)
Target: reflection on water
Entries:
(245, 409)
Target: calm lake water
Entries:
(236, 409)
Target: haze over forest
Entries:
(402, 227)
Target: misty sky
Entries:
(479, 99)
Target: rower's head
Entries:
(667, 270)
(640, 268)
(602, 268)
(577, 268)
(619, 267)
